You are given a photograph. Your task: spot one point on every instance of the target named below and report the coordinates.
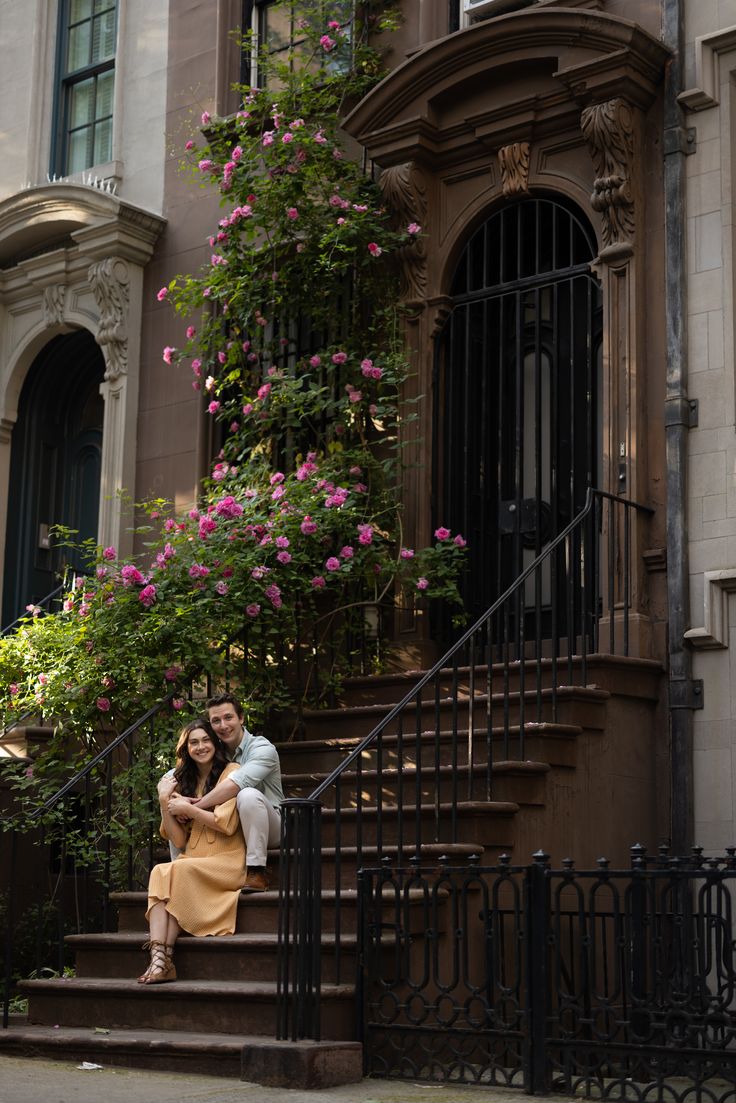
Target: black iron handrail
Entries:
(575, 615)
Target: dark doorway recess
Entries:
(517, 392)
(55, 466)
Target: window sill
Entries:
(109, 174)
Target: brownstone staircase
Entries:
(582, 783)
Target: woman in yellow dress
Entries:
(198, 892)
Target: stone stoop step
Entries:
(278, 1064)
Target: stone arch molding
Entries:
(73, 257)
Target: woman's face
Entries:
(201, 747)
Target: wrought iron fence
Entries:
(506, 681)
(616, 984)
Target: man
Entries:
(256, 785)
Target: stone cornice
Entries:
(39, 217)
(592, 54)
(708, 50)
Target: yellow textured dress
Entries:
(201, 887)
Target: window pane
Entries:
(81, 103)
(275, 27)
(78, 52)
(79, 9)
(78, 157)
(105, 89)
(103, 142)
(103, 37)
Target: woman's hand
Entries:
(181, 807)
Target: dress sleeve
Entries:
(226, 815)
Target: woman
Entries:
(199, 891)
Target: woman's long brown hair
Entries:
(186, 772)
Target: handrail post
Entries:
(300, 920)
(10, 919)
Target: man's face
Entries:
(227, 724)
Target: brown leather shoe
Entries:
(257, 880)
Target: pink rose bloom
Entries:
(197, 367)
(13, 689)
(191, 332)
(258, 573)
(109, 553)
(247, 409)
(460, 541)
(206, 165)
(354, 396)
(168, 353)
(268, 138)
(237, 153)
(131, 574)
(101, 572)
(315, 361)
(292, 213)
(273, 593)
(189, 145)
(320, 138)
(327, 43)
(205, 118)
(318, 582)
(147, 596)
(221, 588)
(374, 250)
(332, 564)
(441, 533)
(253, 610)
(407, 553)
(282, 541)
(308, 527)
(339, 357)
(422, 584)
(177, 703)
(162, 294)
(172, 673)
(366, 534)
(276, 478)
(346, 552)
(213, 407)
(264, 390)
(68, 606)
(284, 557)
(103, 704)
(194, 514)
(287, 137)
(413, 228)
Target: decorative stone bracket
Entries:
(717, 585)
(609, 131)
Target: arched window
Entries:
(55, 466)
(517, 420)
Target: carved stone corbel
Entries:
(54, 302)
(513, 161)
(406, 197)
(110, 283)
(609, 131)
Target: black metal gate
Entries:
(617, 984)
(517, 391)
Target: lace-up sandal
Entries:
(161, 967)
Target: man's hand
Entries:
(166, 787)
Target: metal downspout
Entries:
(677, 424)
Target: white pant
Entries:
(261, 824)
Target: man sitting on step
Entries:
(256, 784)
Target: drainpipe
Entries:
(678, 420)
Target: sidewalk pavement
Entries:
(33, 1080)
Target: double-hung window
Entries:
(279, 29)
(86, 82)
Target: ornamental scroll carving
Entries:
(54, 301)
(406, 196)
(609, 131)
(110, 282)
(513, 161)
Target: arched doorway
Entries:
(517, 386)
(55, 466)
